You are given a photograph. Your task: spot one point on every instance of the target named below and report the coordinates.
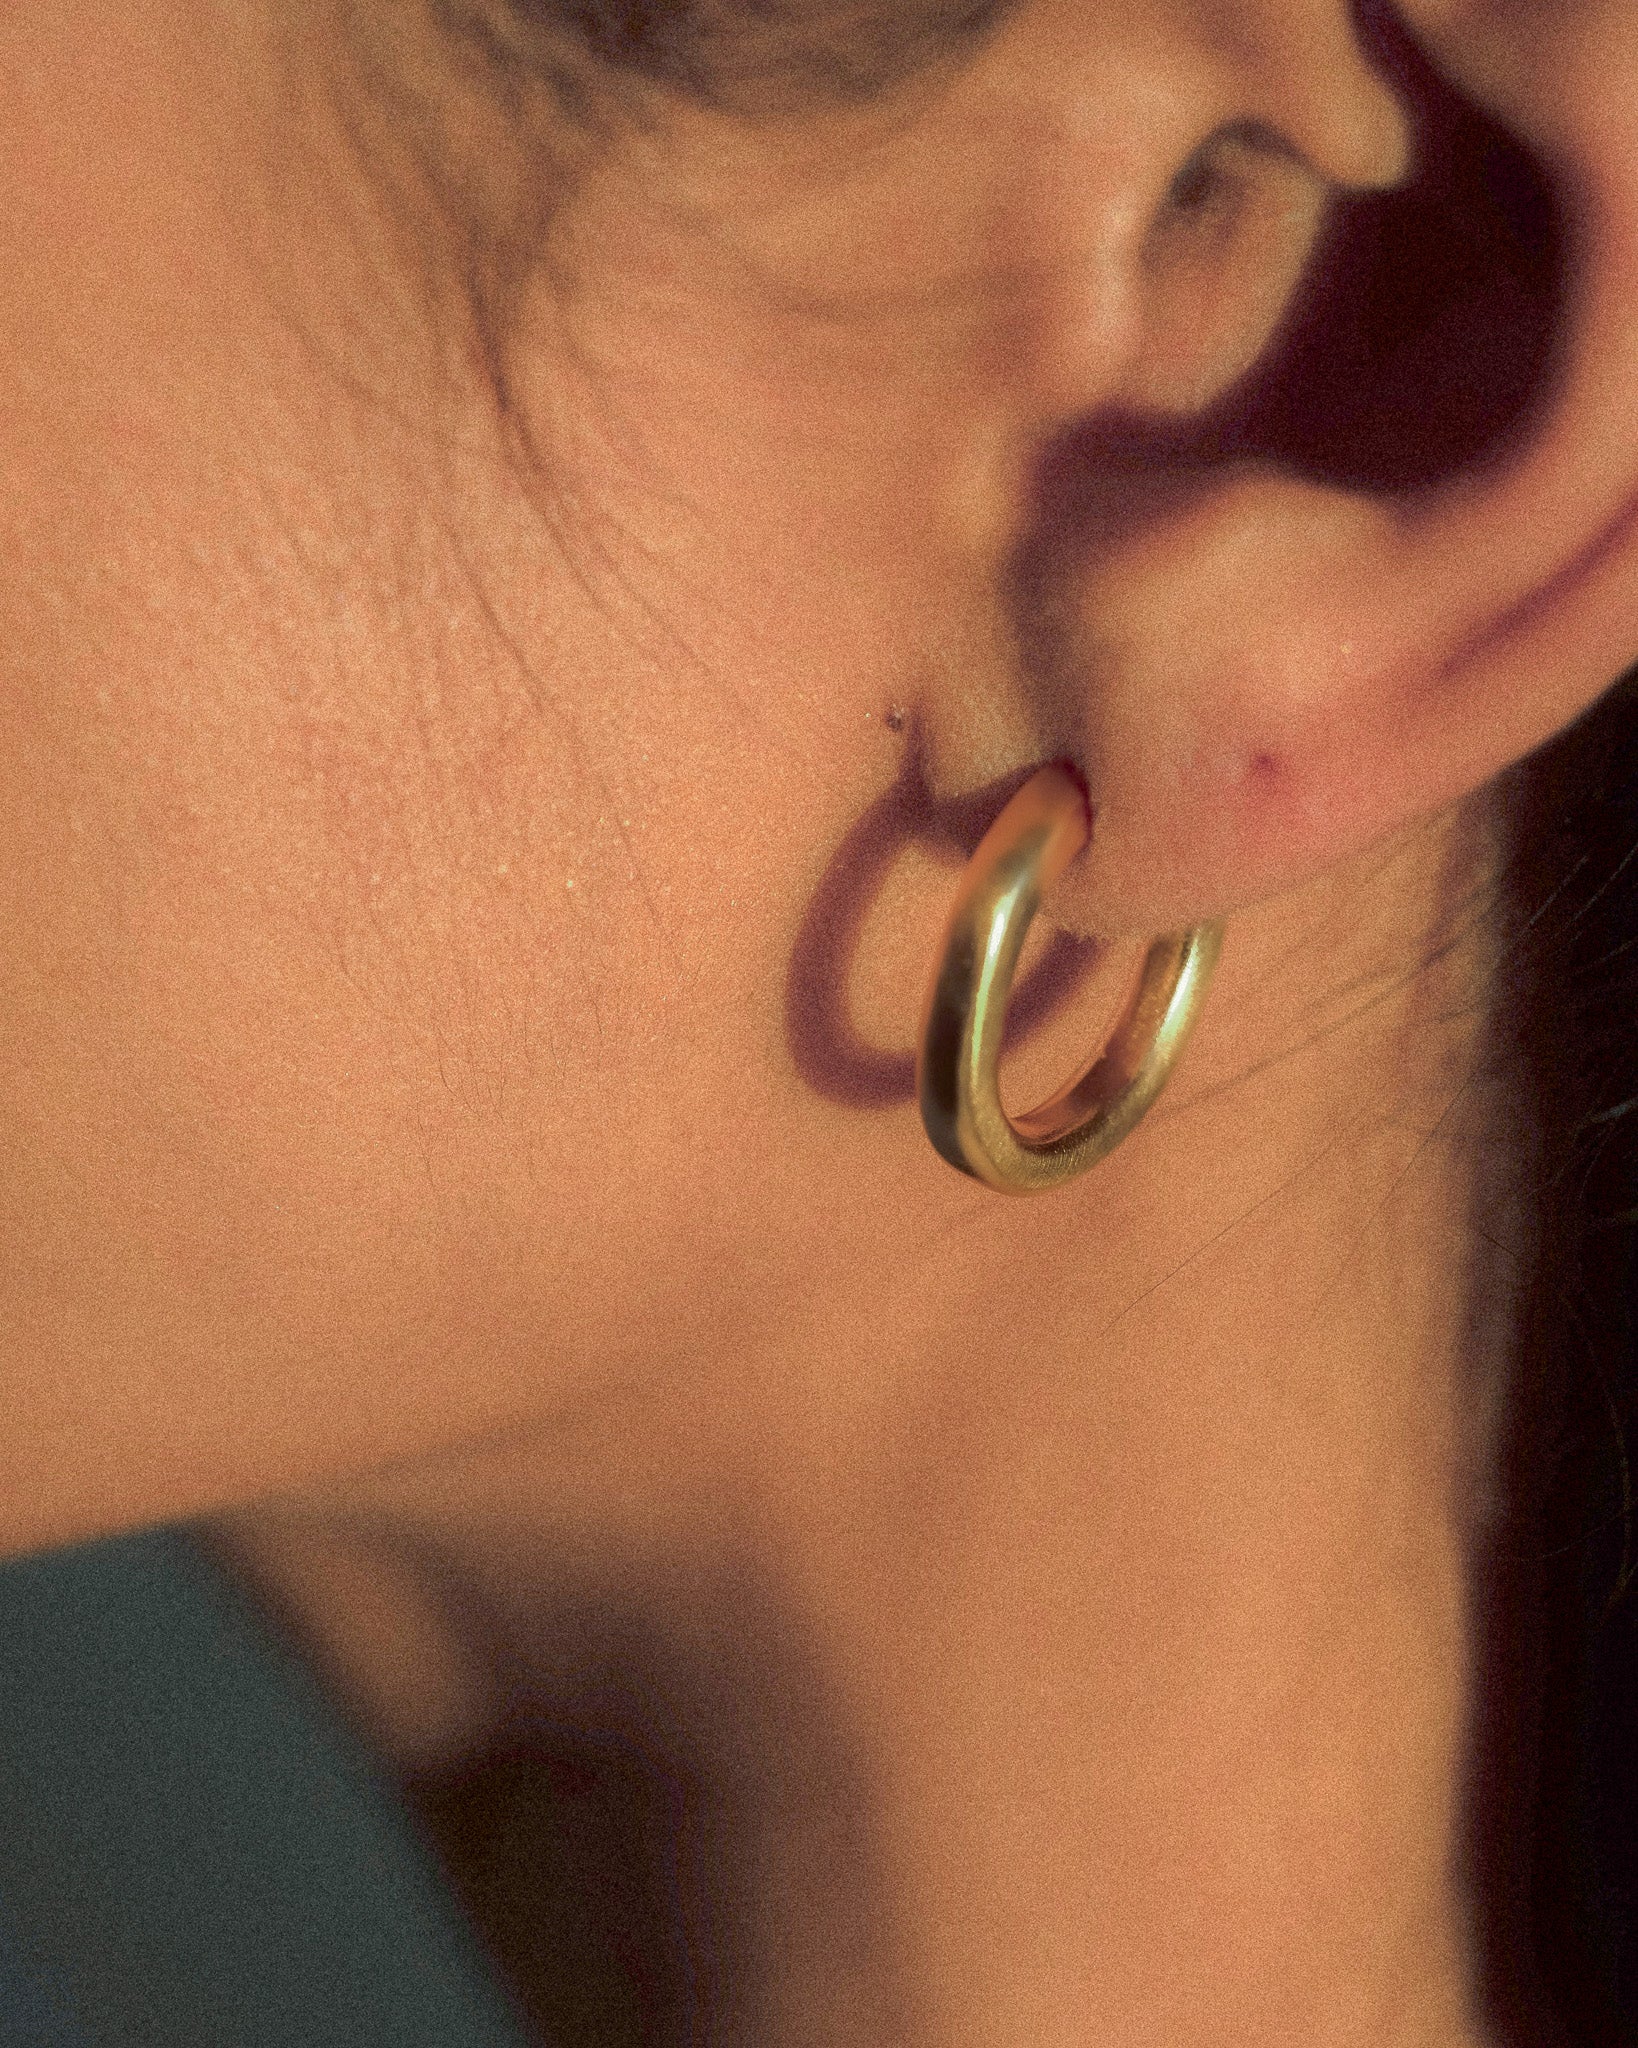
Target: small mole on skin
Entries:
(895, 718)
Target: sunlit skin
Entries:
(409, 825)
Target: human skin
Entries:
(410, 826)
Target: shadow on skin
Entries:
(667, 1764)
(831, 1056)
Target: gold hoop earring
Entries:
(1030, 844)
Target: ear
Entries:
(1405, 552)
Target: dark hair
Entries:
(1553, 1804)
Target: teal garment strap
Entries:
(195, 1850)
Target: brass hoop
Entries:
(1030, 844)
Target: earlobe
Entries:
(1272, 640)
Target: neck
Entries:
(1070, 1646)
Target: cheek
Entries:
(290, 1016)
(390, 1052)
(394, 983)
(197, 1100)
